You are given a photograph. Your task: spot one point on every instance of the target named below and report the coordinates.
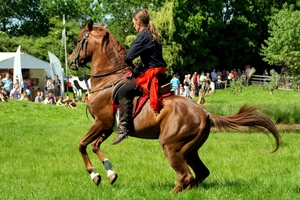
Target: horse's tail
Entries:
(247, 116)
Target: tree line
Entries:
(196, 35)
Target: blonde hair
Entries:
(144, 16)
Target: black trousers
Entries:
(128, 91)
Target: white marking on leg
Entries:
(93, 173)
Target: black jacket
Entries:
(149, 51)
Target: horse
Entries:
(181, 127)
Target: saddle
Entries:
(139, 101)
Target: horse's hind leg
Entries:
(200, 170)
(112, 176)
(194, 161)
(177, 161)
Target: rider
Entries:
(148, 72)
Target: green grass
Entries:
(40, 160)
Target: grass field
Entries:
(40, 160)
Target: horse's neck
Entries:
(109, 64)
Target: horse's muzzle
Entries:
(73, 64)
(74, 67)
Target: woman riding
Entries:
(148, 72)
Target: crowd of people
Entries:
(13, 90)
(192, 86)
(203, 83)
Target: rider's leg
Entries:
(125, 96)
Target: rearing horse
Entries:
(181, 127)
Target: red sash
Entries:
(150, 78)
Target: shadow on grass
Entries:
(206, 185)
(223, 184)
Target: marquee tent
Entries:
(38, 68)
(27, 62)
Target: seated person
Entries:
(47, 100)
(24, 96)
(51, 97)
(59, 102)
(2, 95)
(73, 104)
(14, 93)
(66, 101)
(38, 98)
(219, 82)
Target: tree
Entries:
(23, 17)
(282, 48)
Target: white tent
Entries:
(38, 68)
(27, 62)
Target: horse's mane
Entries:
(109, 37)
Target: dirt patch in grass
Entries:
(282, 128)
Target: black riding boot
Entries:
(125, 118)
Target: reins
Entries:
(103, 75)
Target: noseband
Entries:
(75, 62)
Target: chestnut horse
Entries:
(181, 127)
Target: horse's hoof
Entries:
(97, 180)
(176, 189)
(112, 178)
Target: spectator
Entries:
(51, 97)
(175, 84)
(234, 72)
(38, 98)
(220, 83)
(195, 85)
(66, 101)
(210, 82)
(47, 100)
(14, 93)
(24, 96)
(201, 99)
(187, 85)
(59, 101)
(230, 76)
(2, 95)
(213, 75)
(42, 96)
(265, 75)
(7, 83)
(202, 80)
(49, 85)
(25, 84)
(56, 86)
(73, 104)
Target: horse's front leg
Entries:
(112, 176)
(89, 138)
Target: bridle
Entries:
(75, 64)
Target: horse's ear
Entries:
(90, 24)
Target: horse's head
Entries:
(80, 54)
(96, 44)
